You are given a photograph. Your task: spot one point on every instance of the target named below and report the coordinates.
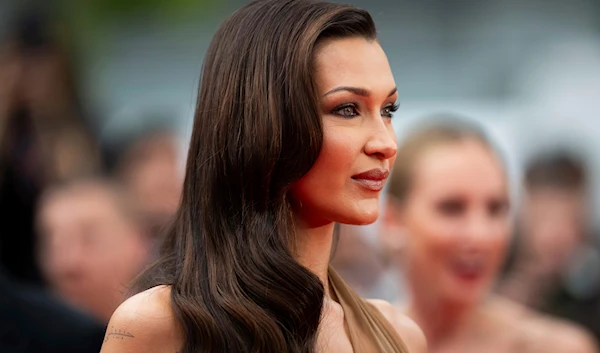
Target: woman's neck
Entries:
(442, 321)
(313, 249)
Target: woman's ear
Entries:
(392, 232)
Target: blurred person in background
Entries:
(92, 244)
(555, 266)
(43, 137)
(33, 321)
(361, 265)
(449, 203)
(150, 168)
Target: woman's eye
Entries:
(388, 112)
(346, 111)
(451, 208)
(497, 208)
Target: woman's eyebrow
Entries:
(357, 90)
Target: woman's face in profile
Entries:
(457, 221)
(357, 100)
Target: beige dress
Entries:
(369, 330)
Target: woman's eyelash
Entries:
(348, 110)
(389, 110)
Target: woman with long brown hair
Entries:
(449, 208)
(292, 134)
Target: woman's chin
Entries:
(361, 217)
(465, 296)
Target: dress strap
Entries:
(369, 330)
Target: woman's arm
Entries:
(145, 323)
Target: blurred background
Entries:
(97, 100)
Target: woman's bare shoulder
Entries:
(144, 323)
(411, 333)
(557, 335)
(543, 333)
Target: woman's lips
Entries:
(469, 270)
(373, 179)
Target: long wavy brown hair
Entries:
(229, 255)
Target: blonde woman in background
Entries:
(449, 204)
